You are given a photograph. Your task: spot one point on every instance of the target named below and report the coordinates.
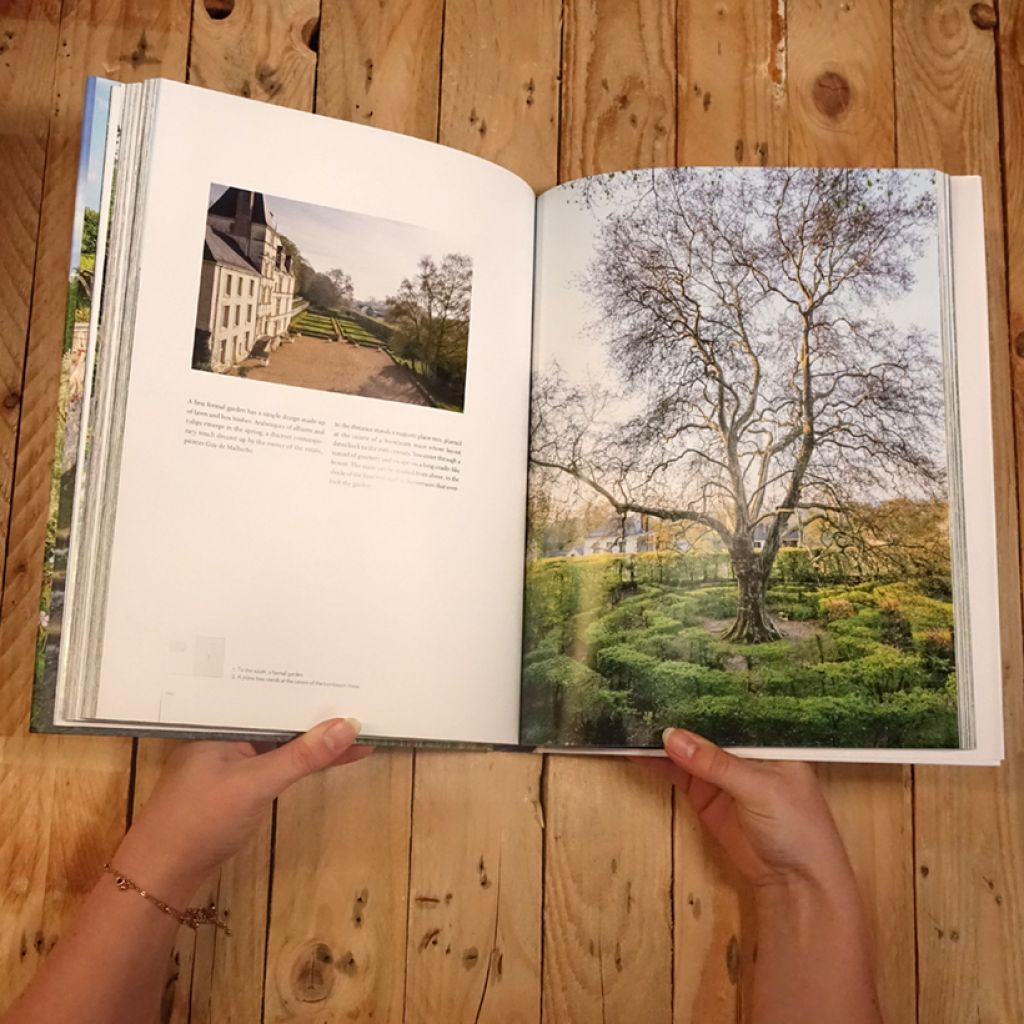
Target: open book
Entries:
(356, 424)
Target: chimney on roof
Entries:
(242, 227)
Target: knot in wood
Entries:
(312, 975)
(984, 16)
(831, 93)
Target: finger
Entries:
(324, 745)
(352, 755)
(741, 779)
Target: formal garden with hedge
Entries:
(618, 647)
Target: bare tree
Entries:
(759, 378)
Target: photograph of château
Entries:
(738, 505)
(297, 294)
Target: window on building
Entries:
(248, 314)
(227, 284)
(252, 287)
(226, 312)
(238, 314)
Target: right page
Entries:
(747, 503)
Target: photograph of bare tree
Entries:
(738, 513)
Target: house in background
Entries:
(629, 535)
(247, 285)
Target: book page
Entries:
(322, 484)
(740, 502)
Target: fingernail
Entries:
(678, 742)
(341, 734)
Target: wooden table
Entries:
(507, 888)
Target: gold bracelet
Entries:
(191, 916)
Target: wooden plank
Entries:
(259, 49)
(474, 954)
(840, 86)
(475, 891)
(970, 823)
(839, 78)
(28, 46)
(337, 935)
(340, 894)
(608, 840)
(732, 83)
(505, 110)
(607, 894)
(68, 794)
(732, 109)
(619, 97)
(379, 64)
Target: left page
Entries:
(319, 508)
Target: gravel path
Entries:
(337, 366)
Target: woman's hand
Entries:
(210, 799)
(814, 959)
(769, 817)
(110, 964)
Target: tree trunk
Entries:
(753, 624)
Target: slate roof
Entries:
(226, 205)
(222, 248)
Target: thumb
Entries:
(318, 748)
(740, 778)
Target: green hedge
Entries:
(921, 719)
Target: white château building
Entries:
(247, 287)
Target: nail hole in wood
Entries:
(311, 34)
(219, 9)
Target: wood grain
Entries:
(339, 903)
(840, 83)
(607, 893)
(715, 927)
(732, 83)
(619, 97)
(67, 794)
(259, 49)
(507, 111)
(970, 823)
(379, 64)
(474, 911)
(28, 43)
